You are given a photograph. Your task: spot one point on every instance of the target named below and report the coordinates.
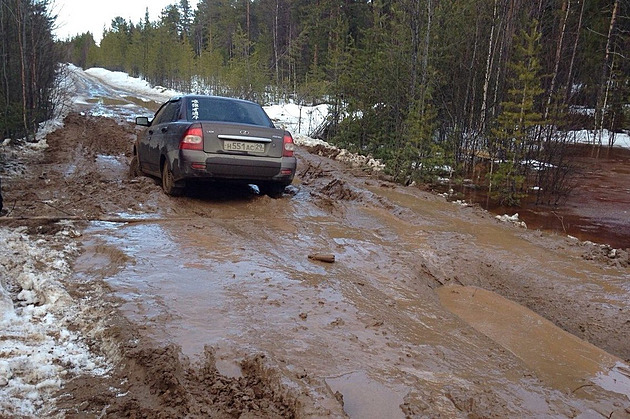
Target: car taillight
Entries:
(192, 139)
(289, 146)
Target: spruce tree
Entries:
(514, 136)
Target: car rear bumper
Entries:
(247, 169)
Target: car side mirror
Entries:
(143, 121)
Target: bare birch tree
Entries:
(604, 84)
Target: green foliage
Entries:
(11, 120)
(507, 184)
(247, 77)
(424, 159)
(515, 135)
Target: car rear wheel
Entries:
(169, 186)
(273, 190)
(134, 167)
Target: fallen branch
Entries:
(561, 220)
(322, 257)
(89, 219)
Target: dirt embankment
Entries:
(388, 272)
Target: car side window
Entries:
(168, 113)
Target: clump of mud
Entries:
(321, 150)
(357, 161)
(338, 189)
(606, 254)
(159, 382)
(93, 134)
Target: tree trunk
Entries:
(554, 76)
(21, 31)
(489, 66)
(275, 42)
(5, 69)
(425, 58)
(602, 96)
(569, 86)
(414, 12)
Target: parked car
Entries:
(212, 138)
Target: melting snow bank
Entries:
(298, 119)
(38, 351)
(322, 148)
(132, 84)
(512, 219)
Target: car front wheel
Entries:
(169, 186)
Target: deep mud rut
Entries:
(209, 306)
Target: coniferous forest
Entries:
(486, 90)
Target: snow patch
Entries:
(513, 219)
(38, 351)
(592, 137)
(297, 119)
(132, 84)
(342, 155)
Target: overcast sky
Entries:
(79, 16)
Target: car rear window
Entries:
(227, 110)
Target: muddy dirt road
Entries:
(208, 305)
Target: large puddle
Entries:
(366, 398)
(162, 287)
(232, 272)
(598, 208)
(560, 359)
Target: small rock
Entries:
(339, 397)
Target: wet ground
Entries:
(208, 305)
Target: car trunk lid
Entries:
(242, 139)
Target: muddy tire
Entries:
(273, 190)
(134, 167)
(169, 185)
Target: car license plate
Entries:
(244, 146)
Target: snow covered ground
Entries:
(138, 87)
(37, 349)
(592, 137)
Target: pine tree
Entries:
(515, 135)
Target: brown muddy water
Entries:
(598, 208)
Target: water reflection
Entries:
(598, 209)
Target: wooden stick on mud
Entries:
(79, 218)
(323, 257)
